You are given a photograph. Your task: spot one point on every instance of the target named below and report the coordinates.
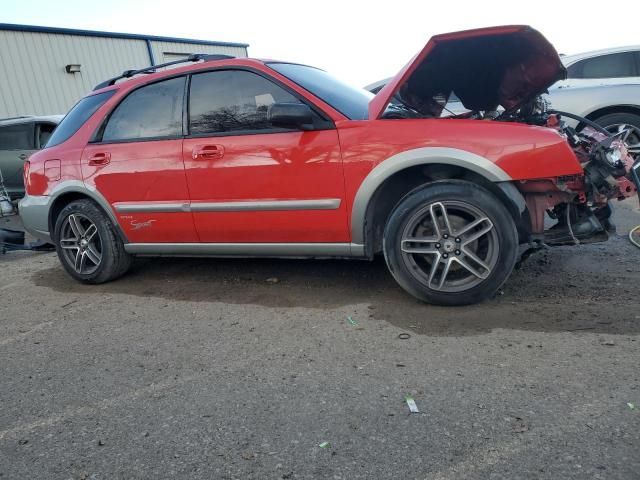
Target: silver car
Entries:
(19, 138)
(604, 87)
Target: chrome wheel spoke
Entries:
(69, 243)
(443, 275)
(93, 255)
(434, 268)
(464, 263)
(480, 233)
(633, 147)
(445, 218)
(81, 258)
(90, 232)
(76, 226)
(419, 245)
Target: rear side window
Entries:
(77, 116)
(150, 112)
(232, 101)
(17, 137)
(615, 65)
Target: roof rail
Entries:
(191, 58)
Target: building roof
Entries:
(133, 36)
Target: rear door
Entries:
(251, 182)
(17, 142)
(136, 163)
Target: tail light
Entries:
(25, 175)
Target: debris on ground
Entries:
(404, 336)
(324, 445)
(632, 406)
(609, 343)
(272, 280)
(519, 425)
(413, 408)
(351, 321)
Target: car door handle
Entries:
(100, 159)
(207, 152)
(22, 156)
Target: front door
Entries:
(251, 182)
(137, 165)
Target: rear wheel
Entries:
(450, 243)
(88, 245)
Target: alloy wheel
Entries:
(450, 246)
(80, 244)
(629, 134)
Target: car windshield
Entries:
(352, 102)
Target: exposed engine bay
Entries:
(579, 204)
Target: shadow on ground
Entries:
(592, 289)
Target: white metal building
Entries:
(45, 70)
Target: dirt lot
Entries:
(205, 368)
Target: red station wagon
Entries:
(246, 157)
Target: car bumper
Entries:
(34, 213)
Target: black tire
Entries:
(460, 200)
(113, 262)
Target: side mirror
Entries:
(291, 115)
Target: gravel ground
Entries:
(241, 369)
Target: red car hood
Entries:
(487, 67)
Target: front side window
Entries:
(615, 65)
(17, 137)
(151, 112)
(77, 116)
(232, 101)
(351, 101)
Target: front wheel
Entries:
(450, 243)
(88, 245)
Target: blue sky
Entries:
(356, 40)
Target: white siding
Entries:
(33, 80)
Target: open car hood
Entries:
(487, 67)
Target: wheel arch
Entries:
(391, 180)
(73, 191)
(621, 108)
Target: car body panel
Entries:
(143, 174)
(285, 180)
(373, 151)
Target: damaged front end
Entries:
(498, 75)
(579, 204)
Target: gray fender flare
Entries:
(412, 158)
(77, 186)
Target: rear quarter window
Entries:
(77, 116)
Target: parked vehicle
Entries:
(19, 138)
(264, 158)
(603, 86)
